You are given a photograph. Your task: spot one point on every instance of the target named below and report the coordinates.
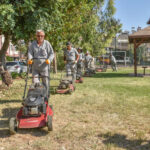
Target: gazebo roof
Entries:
(142, 35)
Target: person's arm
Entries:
(77, 55)
(114, 59)
(90, 59)
(64, 58)
(30, 55)
(30, 52)
(83, 57)
(50, 52)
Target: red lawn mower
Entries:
(89, 72)
(35, 112)
(101, 69)
(65, 87)
(79, 80)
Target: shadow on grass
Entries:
(4, 133)
(7, 113)
(110, 75)
(37, 132)
(3, 123)
(4, 101)
(123, 142)
(53, 90)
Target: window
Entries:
(11, 63)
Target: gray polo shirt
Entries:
(88, 58)
(71, 54)
(40, 53)
(81, 57)
(112, 59)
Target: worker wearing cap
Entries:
(80, 63)
(71, 57)
(88, 60)
(40, 55)
(113, 62)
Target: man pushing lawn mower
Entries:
(79, 78)
(40, 55)
(89, 68)
(71, 57)
(35, 111)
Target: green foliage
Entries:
(7, 22)
(23, 75)
(18, 75)
(14, 75)
(87, 25)
(83, 22)
(108, 26)
(20, 46)
(60, 60)
(9, 58)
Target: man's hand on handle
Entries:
(75, 61)
(30, 62)
(47, 61)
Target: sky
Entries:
(132, 13)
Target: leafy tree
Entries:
(19, 19)
(85, 23)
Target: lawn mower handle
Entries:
(26, 82)
(33, 77)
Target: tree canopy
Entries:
(85, 23)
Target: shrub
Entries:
(9, 58)
(14, 75)
(20, 75)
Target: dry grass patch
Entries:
(109, 111)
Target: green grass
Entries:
(109, 111)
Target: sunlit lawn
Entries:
(109, 111)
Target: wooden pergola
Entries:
(137, 38)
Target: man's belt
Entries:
(39, 58)
(70, 60)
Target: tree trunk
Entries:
(4, 49)
(6, 76)
(55, 63)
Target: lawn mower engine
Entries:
(34, 103)
(79, 80)
(65, 86)
(89, 72)
(103, 69)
